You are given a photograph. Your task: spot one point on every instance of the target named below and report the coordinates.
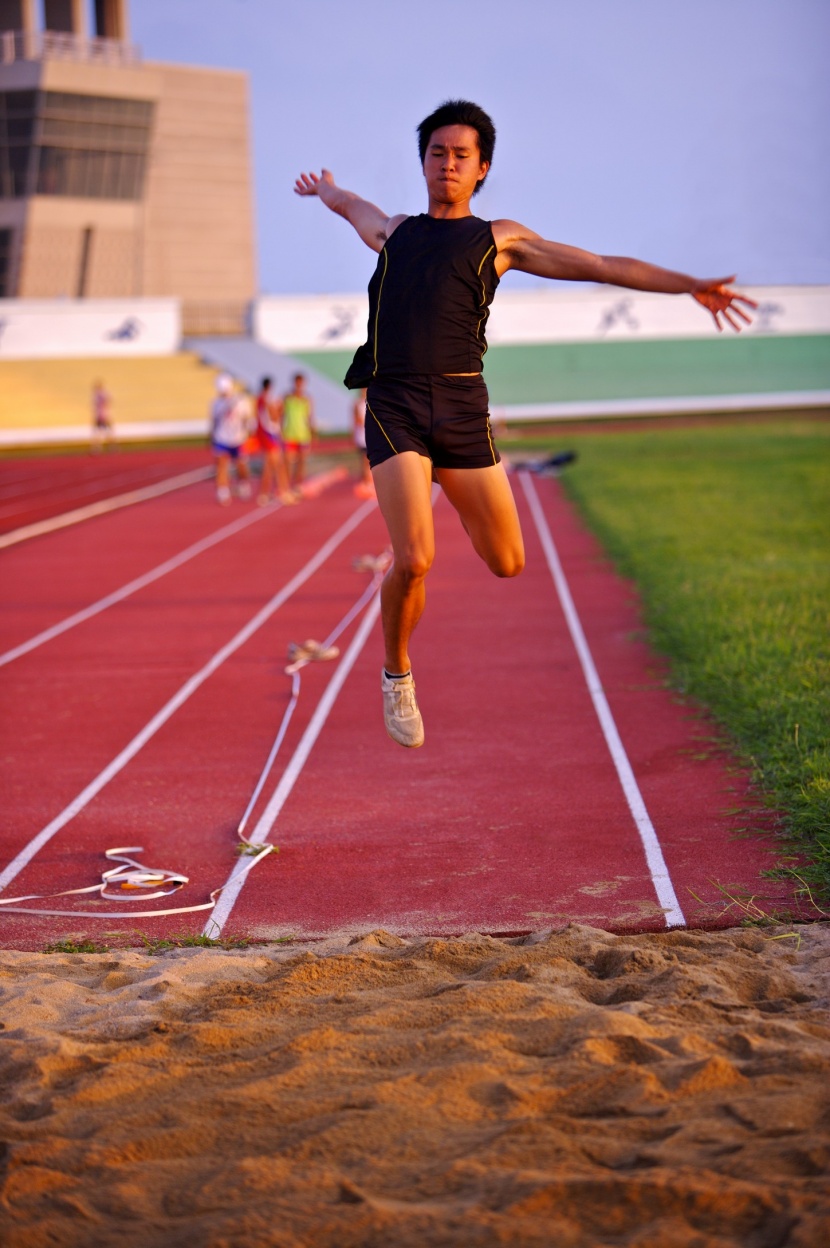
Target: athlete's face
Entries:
(453, 164)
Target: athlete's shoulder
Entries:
(393, 223)
(507, 232)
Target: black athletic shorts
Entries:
(445, 418)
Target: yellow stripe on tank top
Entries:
(377, 314)
(483, 295)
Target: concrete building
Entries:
(120, 177)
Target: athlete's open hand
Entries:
(310, 183)
(718, 299)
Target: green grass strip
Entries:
(567, 372)
(726, 532)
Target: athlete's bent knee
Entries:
(411, 568)
(507, 563)
(507, 560)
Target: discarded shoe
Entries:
(372, 563)
(311, 651)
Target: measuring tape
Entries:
(146, 884)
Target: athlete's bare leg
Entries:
(404, 488)
(273, 474)
(484, 501)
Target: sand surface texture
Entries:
(568, 1088)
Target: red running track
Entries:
(511, 817)
(38, 487)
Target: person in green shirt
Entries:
(298, 430)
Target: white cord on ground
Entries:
(134, 876)
(315, 651)
(131, 874)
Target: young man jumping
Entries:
(427, 405)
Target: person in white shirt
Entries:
(231, 423)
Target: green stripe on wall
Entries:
(574, 371)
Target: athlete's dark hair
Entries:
(265, 384)
(460, 113)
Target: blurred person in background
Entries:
(269, 441)
(298, 431)
(103, 430)
(365, 487)
(231, 423)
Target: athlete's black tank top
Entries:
(429, 299)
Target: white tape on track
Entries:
(134, 876)
(186, 691)
(131, 875)
(233, 887)
(666, 896)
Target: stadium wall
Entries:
(307, 323)
(572, 353)
(93, 328)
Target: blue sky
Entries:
(692, 133)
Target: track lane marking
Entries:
(181, 696)
(73, 489)
(233, 885)
(658, 870)
(106, 505)
(132, 587)
(147, 578)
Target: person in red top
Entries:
(103, 430)
(426, 403)
(274, 475)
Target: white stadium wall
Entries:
(88, 328)
(96, 328)
(338, 322)
(310, 322)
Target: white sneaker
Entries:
(400, 711)
(223, 496)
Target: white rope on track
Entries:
(233, 886)
(133, 875)
(301, 656)
(184, 693)
(658, 870)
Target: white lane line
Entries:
(186, 691)
(105, 505)
(658, 870)
(319, 480)
(233, 886)
(132, 587)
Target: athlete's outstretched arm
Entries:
(519, 248)
(371, 223)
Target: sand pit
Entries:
(570, 1088)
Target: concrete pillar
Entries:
(18, 15)
(66, 16)
(112, 20)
